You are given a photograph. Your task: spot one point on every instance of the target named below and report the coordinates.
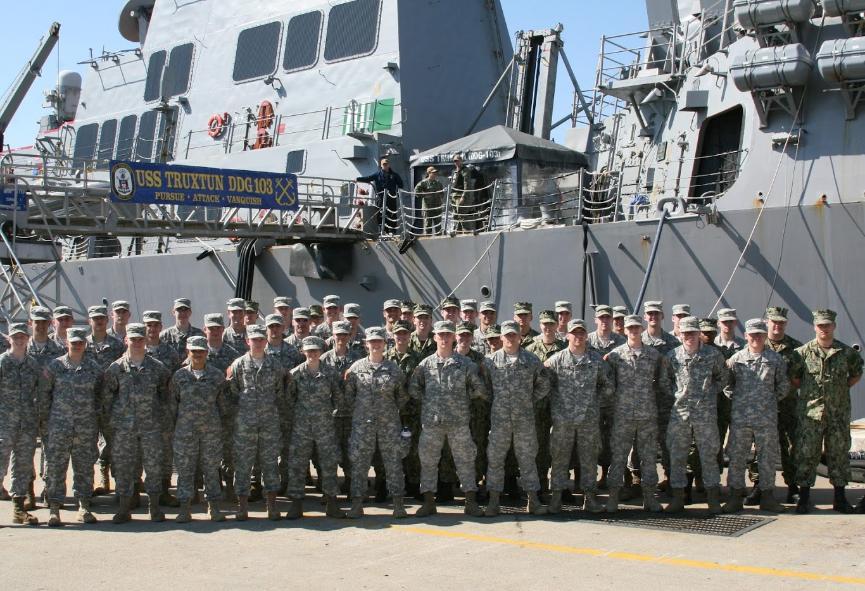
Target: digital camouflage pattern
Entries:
(20, 381)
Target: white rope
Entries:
(478, 262)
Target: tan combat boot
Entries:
(493, 509)
(242, 508)
(295, 509)
(215, 512)
(471, 507)
(103, 485)
(53, 516)
(270, 503)
(713, 499)
(30, 502)
(4, 494)
(84, 513)
(613, 500)
(555, 505)
(185, 513)
(591, 504)
(156, 516)
(734, 505)
(123, 515)
(331, 509)
(534, 505)
(356, 511)
(650, 503)
(166, 499)
(769, 503)
(20, 514)
(429, 505)
(399, 511)
(677, 505)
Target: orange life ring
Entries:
(216, 125)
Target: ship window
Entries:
(257, 50)
(176, 80)
(146, 137)
(126, 138)
(106, 141)
(718, 155)
(352, 30)
(85, 144)
(155, 67)
(295, 162)
(301, 41)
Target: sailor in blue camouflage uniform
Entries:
(444, 383)
(758, 380)
(235, 334)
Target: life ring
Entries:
(216, 125)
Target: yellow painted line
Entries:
(631, 557)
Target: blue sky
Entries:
(93, 24)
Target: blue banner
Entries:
(146, 183)
(9, 202)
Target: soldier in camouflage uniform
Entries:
(517, 380)
(250, 312)
(257, 386)
(603, 340)
(422, 342)
(332, 313)
(469, 311)
(316, 317)
(619, 313)
(581, 381)
(20, 378)
(494, 338)
(758, 380)
(680, 311)
(445, 382)
(523, 317)
(63, 321)
(694, 373)
(407, 360)
(235, 334)
(480, 408)
(69, 404)
(637, 370)
(300, 320)
(390, 313)
(119, 319)
(488, 319)
(282, 305)
(357, 333)
(727, 341)
(176, 335)
(134, 399)
(449, 308)
(198, 403)
(375, 388)
(431, 193)
(564, 314)
(316, 394)
(825, 371)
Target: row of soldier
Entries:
(431, 405)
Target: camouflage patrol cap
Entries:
(135, 330)
(681, 310)
(633, 320)
(301, 314)
(78, 335)
(603, 310)
(120, 305)
(312, 343)
(316, 310)
(656, 306)
(331, 301)
(563, 306)
(469, 305)
(375, 333)
(211, 320)
(824, 316)
(40, 313)
(522, 308)
(444, 326)
(510, 327)
(18, 328)
(341, 327)
(726, 314)
(282, 302)
(548, 317)
(273, 319)
(423, 309)
(235, 304)
(255, 331)
(97, 311)
(488, 306)
(465, 327)
(402, 325)
(776, 314)
(407, 306)
(708, 325)
(390, 304)
(352, 311)
(689, 324)
(250, 306)
(151, 316)
(450, 302)
(620, 311)
(575, 324)
(196, 344)
(182, 303)
(62, 312)
(493, 332)
(755, 326)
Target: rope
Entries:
(478, 262)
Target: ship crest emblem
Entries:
(123, 182)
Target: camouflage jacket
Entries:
(220, 359)
(167, 355)
(757, 383)
(824, 375)
(375, 394)
(528, 338)
(479, 343)
(514, 387)
(423, 349)
(46, 352)
(19, 386)
(431, 193)
(356, 344)
(543, 351)
(407, 362)
(257, 395)
(287, 355)
(786, 348)
(70, 396)
(176, 338)
(580, 385)
(737, 344)
(315, 395)
(136, 396)
(338, 366)
(664, 343)
(637, 375)
(198, 404)
(295, 341)
(106, 352)
(237, 340)
(695, 381)
(445, 388)
(603, 347)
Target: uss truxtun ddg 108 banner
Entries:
(147, 183)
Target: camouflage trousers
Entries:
(625, 433)
(812, 436)
(786, 438)
(680, 433)
(430, 447)
(479, 425)
(130, 445)
(106, 437)
(525, 441)
(284, 448)
(364, 436)
(695, 466)
(342, 428)
(18, 443)
(196, 449)
(253, 443)
(765, 438)
(305, 435)
(663, 450)
(411, 463)
(78, 445)
(606, 430)
(587, 435)
(228, 448)
(543, 424)
(167, 446)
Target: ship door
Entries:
(165, 137)
(718, 152)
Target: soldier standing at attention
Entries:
(637, 370)
(119, 319)
(422, 341)
(727, 339)
(63, 321)
(134, 398)
(302, 328)
(197, 400)
(176, 335)
(450, 309)
(235, 334)
(581, 381)
(431, 193)
(257, 387)
(316, 317)
(603, 340)
(315, 394)
(357, 333)
(494, 338)
(694, 374)
(679, 311)
(758, 380)
(407, 360)
(488, 319)
(825, 371)
(250, 312)
(20, 379)
(444, 383)
(469, 311)
(282, 305)
(564, 313)
(332, 313)
(523, 317)
(375, 389)
(69, 404)
(480, 409)
(390, 313)
(619, 313)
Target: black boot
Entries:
(445, 493)
(802, 506)
(840, 504)
(689, 490)
(792, 493)
(753, 497)
(860, 506)
(256, 493)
